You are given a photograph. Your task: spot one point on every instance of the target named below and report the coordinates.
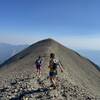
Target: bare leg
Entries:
(51, 80)
(39, 73)
(54, 80)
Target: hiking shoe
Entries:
(54, 87)
(51, 85)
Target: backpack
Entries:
(38, 62)
(55, 64)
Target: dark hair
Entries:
(39, 57)
(52, 55)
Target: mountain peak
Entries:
(48, 40)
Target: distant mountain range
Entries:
(8, 50)
(93, 55)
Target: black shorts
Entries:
(38, 67)
(51, 74)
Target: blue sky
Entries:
(75, 23)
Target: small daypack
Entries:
(55, 64)
(38, 62)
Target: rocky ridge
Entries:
(18, 80)
(33, 88)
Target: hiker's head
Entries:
(52, 55)
(39, 57)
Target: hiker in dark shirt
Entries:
(53, 66)
(38, 63)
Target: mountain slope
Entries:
(94, 55)
(77, 69)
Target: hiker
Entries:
(38, 63)
(53, 65)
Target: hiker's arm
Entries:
(42, 61)
(35, 61)
(49, 65)
(61, 67)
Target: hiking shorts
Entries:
(51, 74)
(38, 67)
